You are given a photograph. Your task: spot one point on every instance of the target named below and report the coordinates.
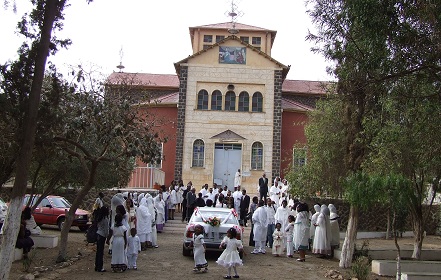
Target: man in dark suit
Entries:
(244, 206)
(263, 187)
(191, 203)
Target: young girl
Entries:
(199, 250)
(289, 235)
(230, 256)
(278, 240)
(133, 248)
(119, 244)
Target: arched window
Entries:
(230, 101)
(257, 102)
(244, 102)
(198, 153)
(216, 100)
(203, 99)
(257, 156)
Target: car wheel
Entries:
(185, 251)
(60, 222)
(83, 228)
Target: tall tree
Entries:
(29, 70)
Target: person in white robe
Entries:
(237, 196)
(313, 223)
(160, 210)
(204, 192)
(301, 231)
(172, 202)
(143, 223)
(289, 231)
(211, 195)
(335, 228)
(281, 217)
(274, 193)
(278, 237)
(322, 237)
(153, 213)
(260, 222)
(237, 178)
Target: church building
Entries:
(228, 107)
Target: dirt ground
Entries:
(167, 261)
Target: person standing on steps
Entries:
(263, 187)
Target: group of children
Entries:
(229, 258)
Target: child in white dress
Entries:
(133, 249)
(289, 236)
(278, 240)
(199, 250)
(119, 244)
(230, 256)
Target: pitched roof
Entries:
(290, 105)
(229, 25)
(144, 79)
(307, 87)
(233, 37)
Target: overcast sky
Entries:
(154, 34)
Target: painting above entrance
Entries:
(232, 55)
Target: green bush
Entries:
(361, 268)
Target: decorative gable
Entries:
(228, 135)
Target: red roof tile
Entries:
(145, 79)
(294, 106)
(311, 87)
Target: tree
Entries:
(377, 47)
(28, 70)
(102, 129)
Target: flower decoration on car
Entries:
(214, 222)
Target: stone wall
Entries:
(277, 124)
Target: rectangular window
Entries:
(158, 164)
(299, 156)
(257, 40)
(219, 38)
(208, 38)
(245, 39)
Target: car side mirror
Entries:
(48, 206)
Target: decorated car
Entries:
(216, 222)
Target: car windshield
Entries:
(60, 202)
(225, 217)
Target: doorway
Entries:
(227, 159)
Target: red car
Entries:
(52, 211)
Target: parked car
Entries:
(213, 235)
(52, 211)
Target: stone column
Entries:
(181, 122)
(277, 124)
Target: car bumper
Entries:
(211, 246)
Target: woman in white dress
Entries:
(154, 236)
(301, 231)
(230, 257)
(143, 223)
(172, 202)
(281, 217)
(322, 238)
(160, 208)
(313, 223)
(260, 221)
(335, 228)
(119, 245)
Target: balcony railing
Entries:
(146, 178)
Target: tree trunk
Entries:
(418, 232)
(397, 246)
(25, 154)
(62, 253)
(351, 235)
(388, 225)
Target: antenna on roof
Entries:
(120, 66)
(234, 14)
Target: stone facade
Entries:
(181, 121)
(277, 124)
(252, 126)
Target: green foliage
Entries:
(361, 268)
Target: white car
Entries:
(213, 235)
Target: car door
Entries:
(44, 212)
